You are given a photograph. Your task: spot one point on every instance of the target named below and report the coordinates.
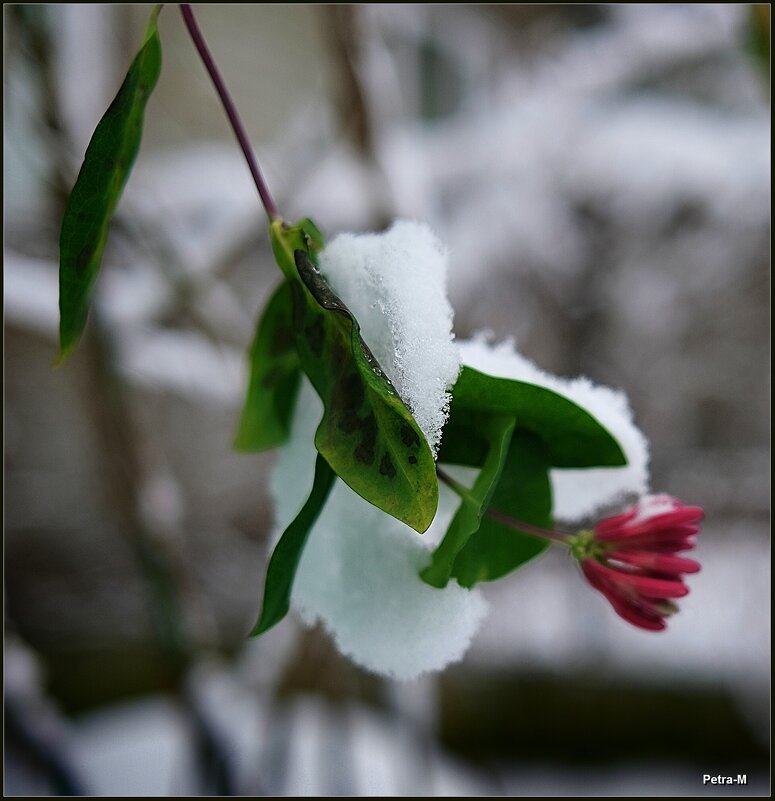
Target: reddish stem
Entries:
(230, 108)
(506, 520)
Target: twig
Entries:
(230, 109)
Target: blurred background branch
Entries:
(601, 175)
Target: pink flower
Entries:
(631, 558)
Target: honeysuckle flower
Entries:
(631, 558)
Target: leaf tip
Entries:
(261, 627)
(241, 442)
(621, 456)
(64, 354)
(421, 522)
(271, 614)
(432, 578)
(431, 504)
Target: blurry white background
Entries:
(601, 175)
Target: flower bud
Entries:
(630, 558)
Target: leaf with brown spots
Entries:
(367, 433)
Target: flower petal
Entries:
(645, 615)
(647, 586)
(658, 562)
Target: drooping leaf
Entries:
(367, 434)
(498, 432)
(106, 167)
(274, 377)
(523, 492)
(287, 553)
(573, 437)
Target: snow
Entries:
(653, 506)
(359, 574)
(395, 284)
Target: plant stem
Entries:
(455, 486)
(506, 520)
(231, 110)
(528, 528)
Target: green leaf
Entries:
(758, 38)
(498, 433)
(549, 431)
(287, 239)
(106, 167)
(523, 492)
(573, 437)
(287, 553)
(367, 434)
(274, 377)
